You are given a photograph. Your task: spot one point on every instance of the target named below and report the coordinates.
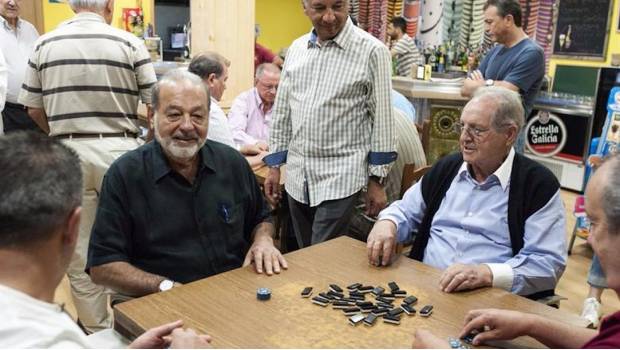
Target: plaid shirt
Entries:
(332, 120)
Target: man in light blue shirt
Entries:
(487, 216)
(404, 105)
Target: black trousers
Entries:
(16, 118)
(327, 220)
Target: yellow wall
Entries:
(281, 22)
(613, 47)
(54, 14)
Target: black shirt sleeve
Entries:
(110, 238)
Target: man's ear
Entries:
(150, 116)
(72, 229)
(210, 79)
(512, 134)
(109, 11)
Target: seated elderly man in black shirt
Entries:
(180, 208)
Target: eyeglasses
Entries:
(269, 87)
(473, 131)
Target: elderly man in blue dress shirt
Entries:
(487, 216)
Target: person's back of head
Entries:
(104, 8)
(401, 23)
(208, 63)
(41, 186)
(212, 68)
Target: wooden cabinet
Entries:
(226, 27)
(32, 11)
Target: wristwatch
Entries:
(377, 179)
(165, 285)
(489, 82)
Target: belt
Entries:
(97, 136)
(14, 105)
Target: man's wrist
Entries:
(377, 179)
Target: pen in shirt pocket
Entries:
(224, 212)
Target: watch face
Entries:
(165, 285)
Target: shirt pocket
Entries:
(231, 226)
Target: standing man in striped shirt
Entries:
(82, 86)
(404, 49)
(332, 124)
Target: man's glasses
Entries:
(473, 131)
(268, 87)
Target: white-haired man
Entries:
(603, 209)
(486, 215)
(82, 85)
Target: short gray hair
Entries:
(208, 63)
(175, 76)
(97, 6)
(41, 185)
(508, 106)
(266, 67)
(611, 195)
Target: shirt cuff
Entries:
(381, 158)
(503, 275)
(275, 159)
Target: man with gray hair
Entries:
(487, 216)
(182, 207)
(82, 86)
(40, 211)
(250, 114)
(603, 209)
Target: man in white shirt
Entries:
(40, 214)
(17, 39)
(212, 68)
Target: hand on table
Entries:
(262, 145)
(381, 243)
(250, 150)
(170, 335)
(265, 256)
(496, 324)
(459, 277)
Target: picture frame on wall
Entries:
(582, 37)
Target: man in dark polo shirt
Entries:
(180, 208)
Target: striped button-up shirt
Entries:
(88, 76)
(332, 121)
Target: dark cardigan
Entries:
(531, 187)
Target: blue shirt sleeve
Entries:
(542, 260)
(530, 66)
(406, 213)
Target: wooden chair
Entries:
(411, 175)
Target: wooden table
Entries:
(225, 305)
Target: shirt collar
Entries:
(161, 167)
(502, 173)
(259, 101)
(85, 16)
(343, 38)
(5, 23)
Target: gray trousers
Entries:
(328, 220)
